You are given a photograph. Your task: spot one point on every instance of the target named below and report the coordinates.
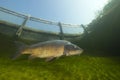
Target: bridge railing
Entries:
(38, 24)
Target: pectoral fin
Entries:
(49, 59)
(31, 57)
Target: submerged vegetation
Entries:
(98, 62)
(68, 68)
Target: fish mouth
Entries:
(76, 52)
(82, 50)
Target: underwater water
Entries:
(102, 62)
(84, 67)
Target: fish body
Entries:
(50, 49)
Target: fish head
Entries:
(72, 49)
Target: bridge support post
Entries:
(85, 30)
(19, 31)
(61, 34)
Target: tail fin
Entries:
(20, 46)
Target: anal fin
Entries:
(31, 57)
(49, 59)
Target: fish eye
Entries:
(76, 47)
(72, 47)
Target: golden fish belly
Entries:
(48, 51)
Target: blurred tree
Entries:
(105, 29)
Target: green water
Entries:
(82, 67)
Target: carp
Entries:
(49, 49)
